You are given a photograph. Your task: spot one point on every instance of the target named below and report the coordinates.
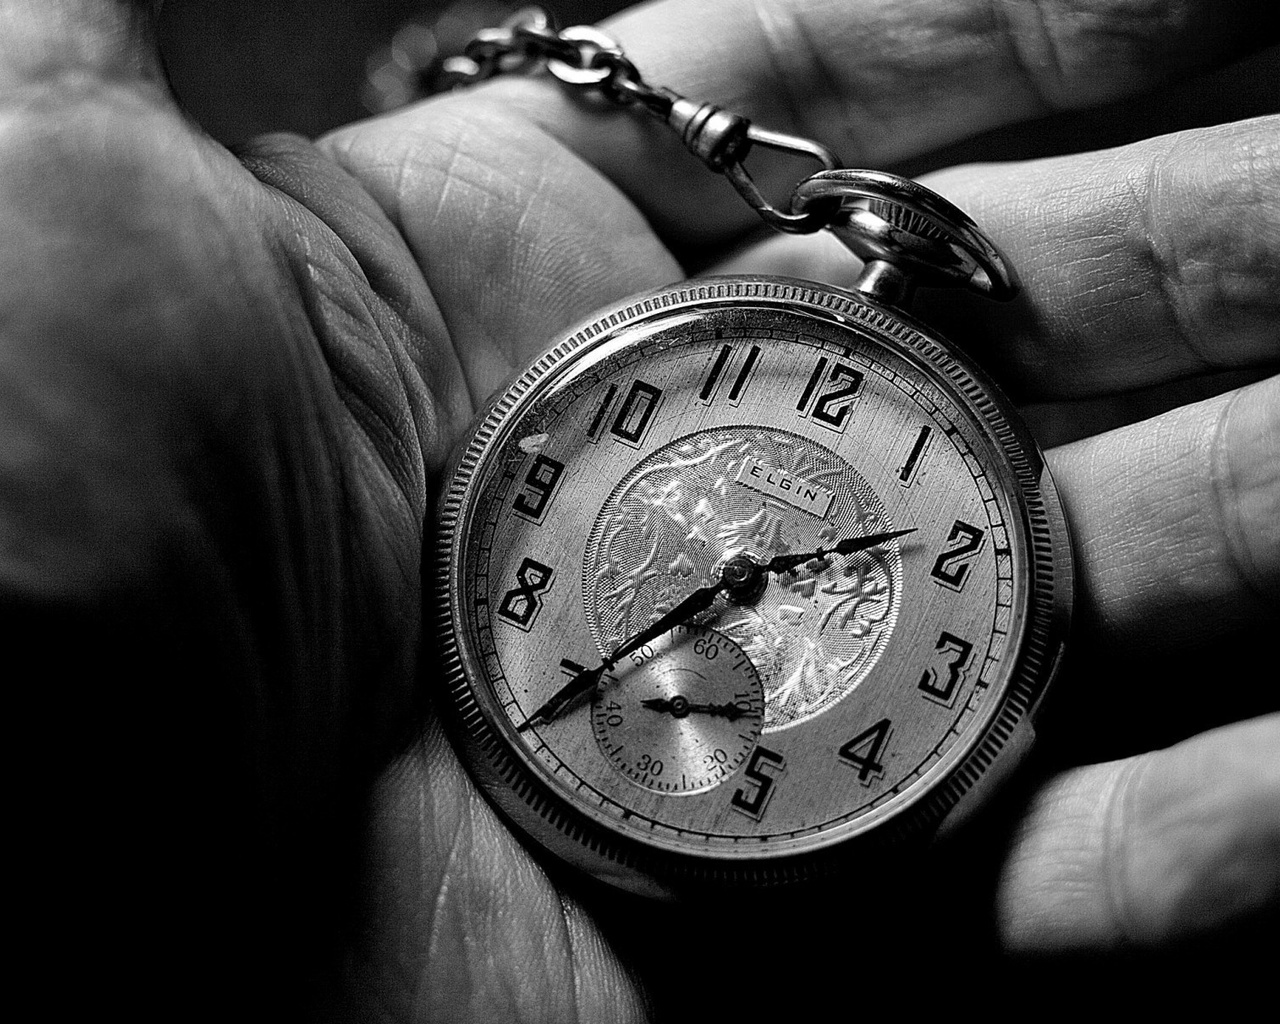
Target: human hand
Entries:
(234, 382)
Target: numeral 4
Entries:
(865, 750)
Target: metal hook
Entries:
(722, 140)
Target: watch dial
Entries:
(621, 475)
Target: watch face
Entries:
(833, 695)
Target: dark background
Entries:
(243, 67)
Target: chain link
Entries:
(579, 56)
(588, 60)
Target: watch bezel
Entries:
(998, 738)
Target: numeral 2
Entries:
(952, 567)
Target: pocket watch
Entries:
(749, 577)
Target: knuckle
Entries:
(1245, 477)
(1233, 259)
(1070, 51)
(1211, 240)
(1201, 835)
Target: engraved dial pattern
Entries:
(680, 514)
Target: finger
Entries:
(876, 82)
(1142, 852)
(111, 41)
(1246, 88)
(1059, 423)
(1177, 521)
(1139, 265)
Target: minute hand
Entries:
(781, 563)
(700, 600)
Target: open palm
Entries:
(231, 383)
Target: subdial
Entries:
(683, 714)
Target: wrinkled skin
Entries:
(228, 385)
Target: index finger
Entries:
(879, 83)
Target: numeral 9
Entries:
(540, 484)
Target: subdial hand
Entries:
(679, 707)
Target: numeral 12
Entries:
(830, 403)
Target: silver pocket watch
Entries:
(748, 577)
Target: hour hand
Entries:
(784, 563)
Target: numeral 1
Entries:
(571, 668)
(602, 410)
(908, 471)
(723, 361)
